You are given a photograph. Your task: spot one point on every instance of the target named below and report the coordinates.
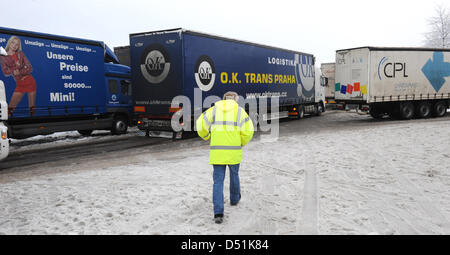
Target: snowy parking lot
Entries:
(379, 177)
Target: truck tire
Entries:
(439, 109)
(301, 112)
(395, 115)
(85, 132)
(119, 126)
(406, 110)
(319, 109)
(375, 113)
(423, 110)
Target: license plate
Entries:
(159, 123)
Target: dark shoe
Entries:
(235, 203)
(218, 218)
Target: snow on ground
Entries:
(384, 179)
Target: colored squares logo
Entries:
(337, 86)
(364, 90)
(352, 89)
(349, 89)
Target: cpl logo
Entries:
(391, 69)
(304, 72)
(205, 73)
(155, 64)
(114, 97)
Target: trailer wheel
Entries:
(119, 126)
(406, 110)
(85, 132)
(301, 112)
(423, 110)
(376, 113)
(394, 112)
(319, 109)
(439, 109)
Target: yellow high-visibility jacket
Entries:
(229, 128)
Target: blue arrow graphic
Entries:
(435, 70)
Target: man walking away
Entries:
(229, 128)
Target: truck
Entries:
(169, 63)
(123, 54)
(398, 82)
(53, 83)
(328, 70)
(4, 142)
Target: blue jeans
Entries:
(235, 187)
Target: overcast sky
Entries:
(319, 27)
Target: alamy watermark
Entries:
(260, 114)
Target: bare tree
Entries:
(439, 33)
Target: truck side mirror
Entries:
(3, 52)
(324, 81)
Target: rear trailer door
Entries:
(156, 70)
(352, 79)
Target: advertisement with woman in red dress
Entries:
(17, 65)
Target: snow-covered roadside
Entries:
(389, 179)
(63, 138)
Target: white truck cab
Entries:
(4, 141)
(320, 85)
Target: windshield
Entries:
(110, 56)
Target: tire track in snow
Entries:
(308, 225)
(261, 220)
(270, 199)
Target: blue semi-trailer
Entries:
(178, 62)
(56, 83)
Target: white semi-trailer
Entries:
(400, 82)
